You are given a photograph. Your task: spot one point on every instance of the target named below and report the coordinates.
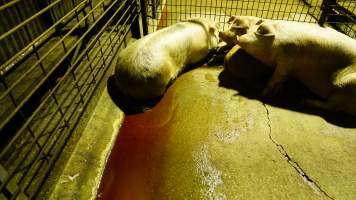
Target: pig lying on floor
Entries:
(239, 25)
(147, 66)
(322, 58)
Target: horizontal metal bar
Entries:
(9, 4)
(55, 88)
(59, 84)
(64, 78)
(50, 50)
(28, 20)
(30, 119)
(52, 161)
(10, 63)
(51, 71)
(52, 146)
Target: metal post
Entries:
(326, 9)
(136, 25)
(154, 7)
(144, 16)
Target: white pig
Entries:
(239, 25)
(322, 58)
(148, 65)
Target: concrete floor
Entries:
(211, 137)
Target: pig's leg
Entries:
(280, 74)
(339, 101)
(344, 95)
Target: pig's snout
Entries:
(228, 37)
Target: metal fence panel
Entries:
(60, 50)
(339, 14)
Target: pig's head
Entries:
(239, 25)
(258, 42)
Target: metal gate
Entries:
(339, 14)
(53, 55)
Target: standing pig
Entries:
(147, 66)
(322, 58)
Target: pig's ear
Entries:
(265, 30)
(231, 19)
(259, 22)
(212, 30)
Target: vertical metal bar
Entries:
(143, 12)
(23, 116)
(154, 7)
(326, 8)
(135, 28)
(48, 17)
(86, 52)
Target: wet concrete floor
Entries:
(207, 139)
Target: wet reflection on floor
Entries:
(133, 169)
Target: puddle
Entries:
(133, 168)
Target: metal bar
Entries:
(104, 68)
(89, 46)
(154, 7)
(136, 33)
(11, 174)
(51, 71)
(9, 4)
(325, 11)
(50, 50)
(52, 162)
(28, 20)
(143, 12)
(9, 64)
(344, 11)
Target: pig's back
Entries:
(316, 52)
(174, 42)
(312, 36)
(177, 37)
(146, 56)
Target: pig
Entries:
(147, 66)
(321, 58)
(239, 25)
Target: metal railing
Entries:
(340, 14)
(49, 77)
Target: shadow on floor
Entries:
(127, 104)
(248, 77)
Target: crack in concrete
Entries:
(293, 163)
